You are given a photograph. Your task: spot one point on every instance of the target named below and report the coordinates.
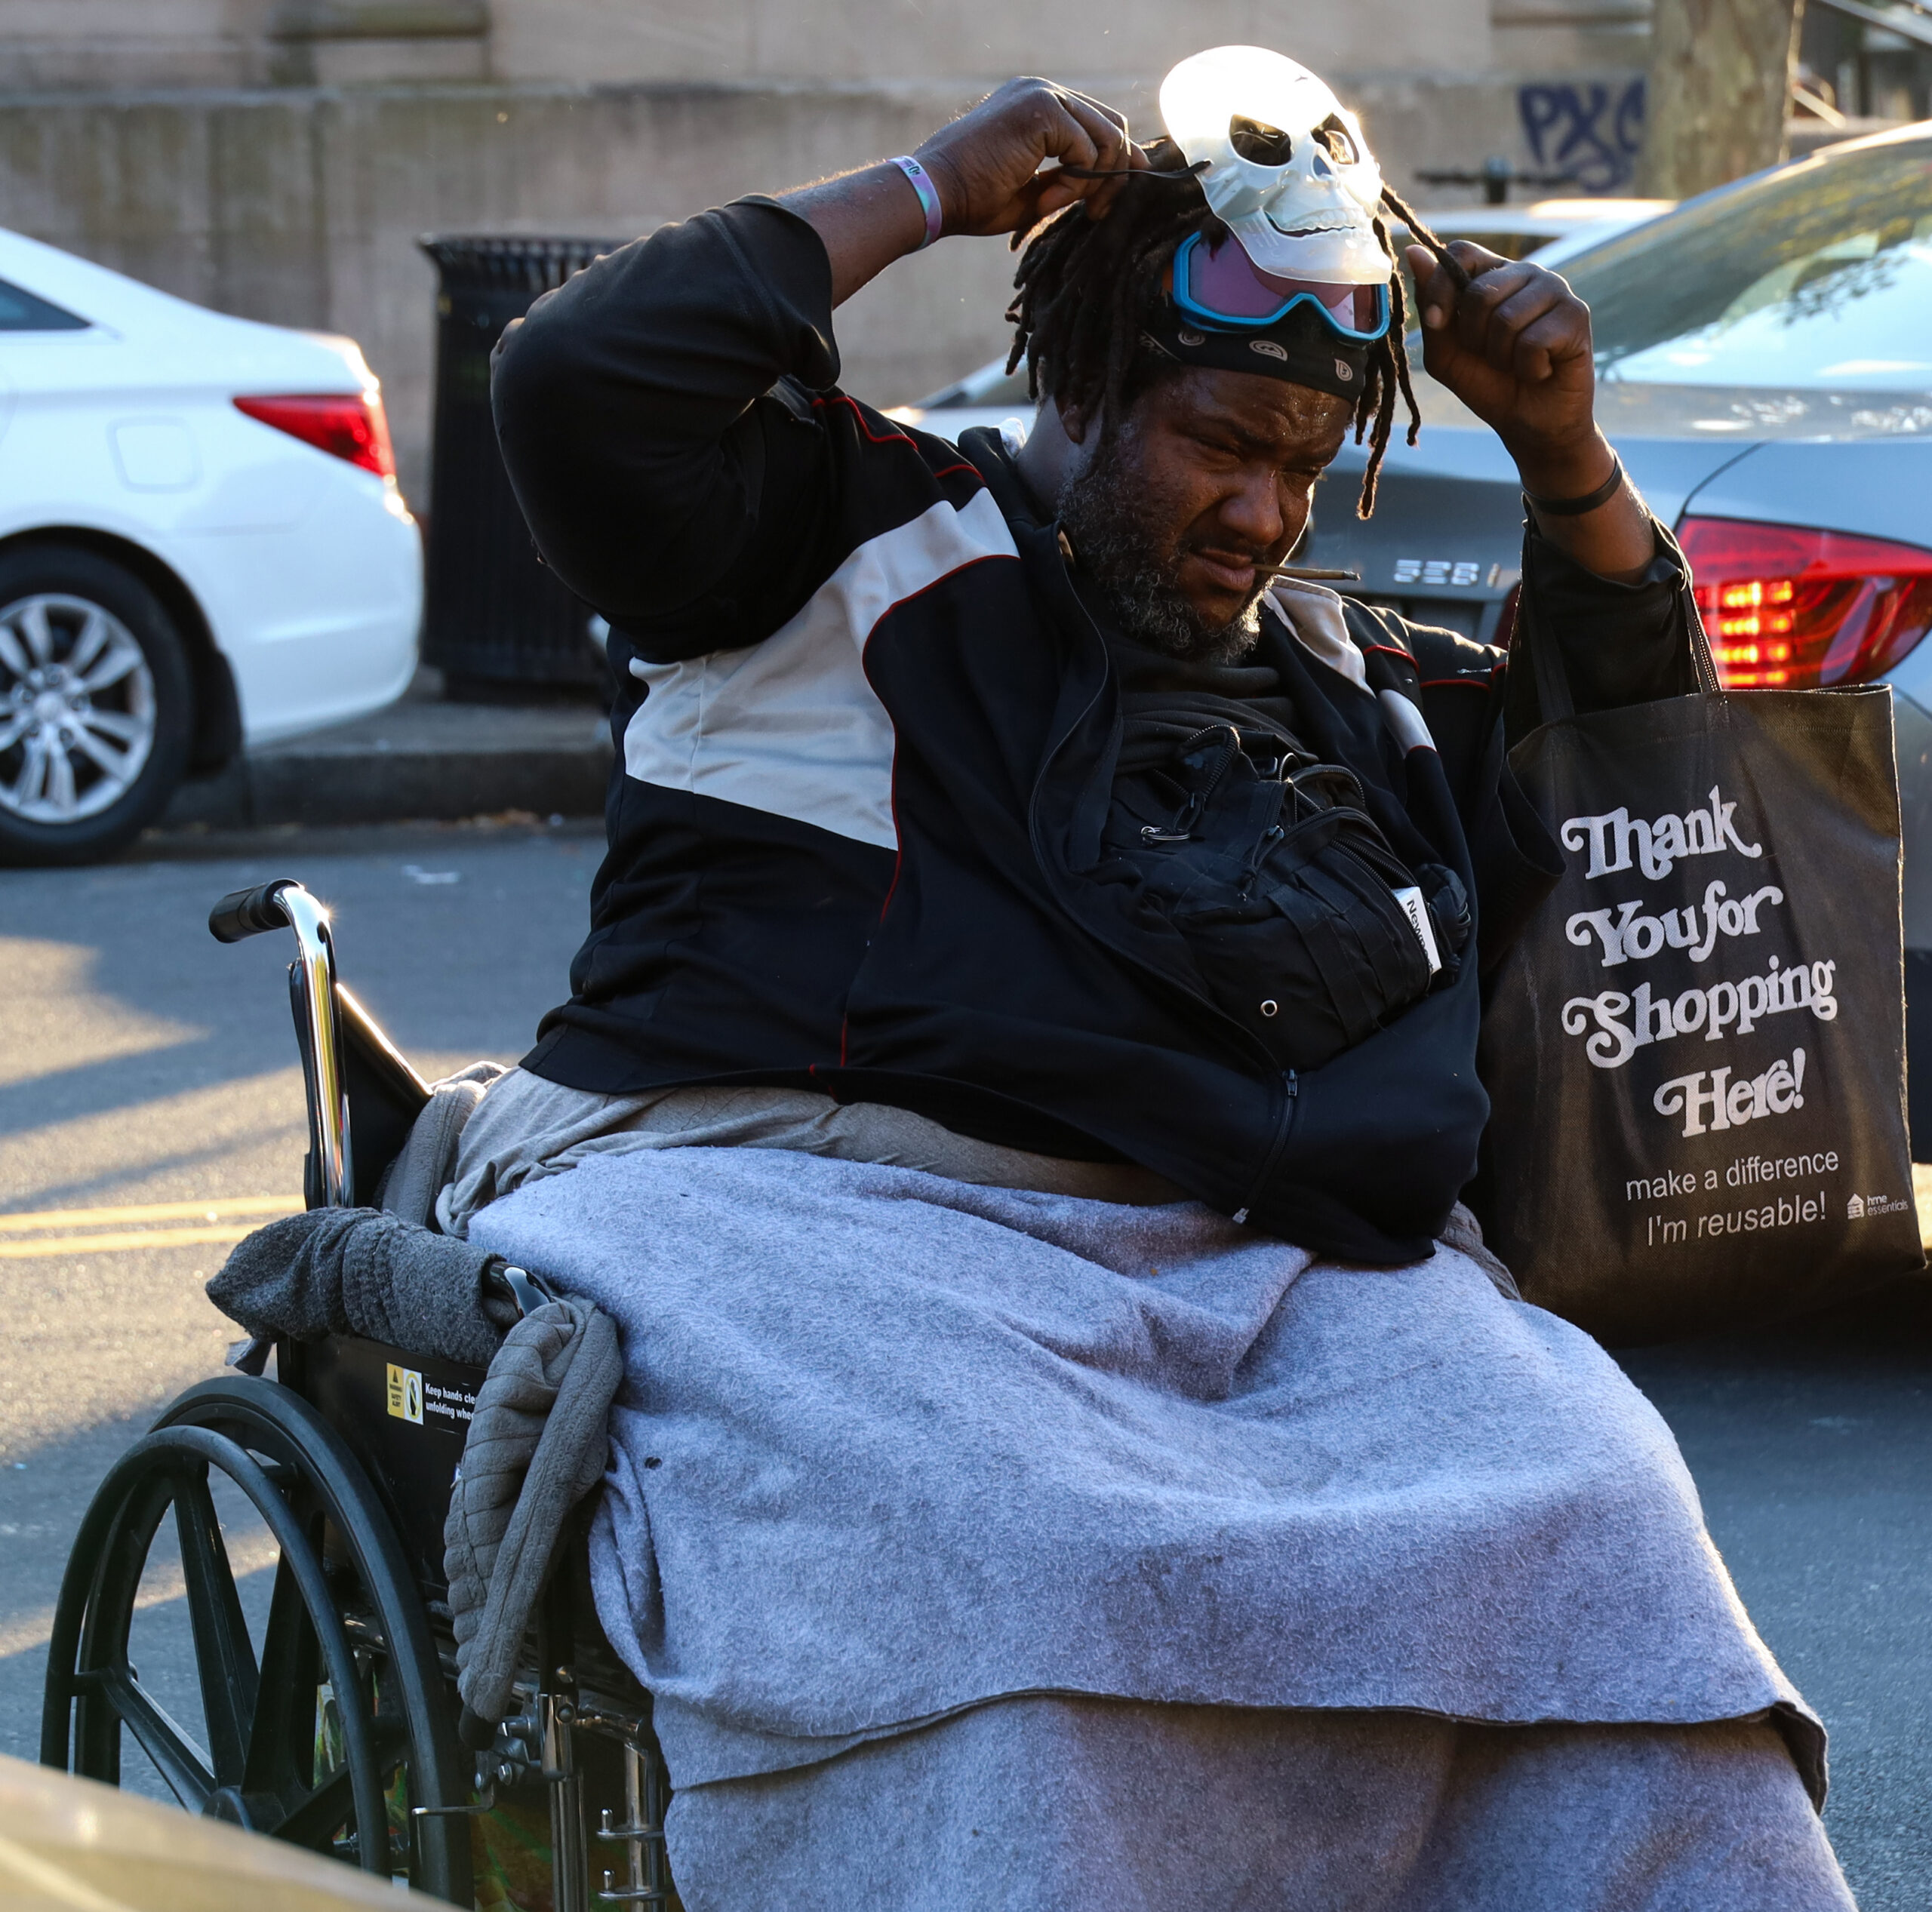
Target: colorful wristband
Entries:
(922, 184)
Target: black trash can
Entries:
(498, 624)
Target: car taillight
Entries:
(350, 425)
(1788, 609)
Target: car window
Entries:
(22, 311)
(1816, 277)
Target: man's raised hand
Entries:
(986, 169)
(1514, 345)
(987, 163)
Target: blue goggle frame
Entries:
(1253, 322)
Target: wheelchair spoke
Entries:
(281, 1739)
(313, 1821)
(224, 1655)
(176, 1757)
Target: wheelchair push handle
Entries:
(245, 913)
(329, 1176)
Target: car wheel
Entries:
(97, 706)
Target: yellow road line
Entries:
(102, 1244)
(219, 1209)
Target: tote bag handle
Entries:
(1554, 699)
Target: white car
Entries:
(202, 547)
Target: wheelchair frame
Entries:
(349, 1474)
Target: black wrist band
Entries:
(1576, 507)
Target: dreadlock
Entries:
(1084, 287)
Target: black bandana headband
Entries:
(1300, 349)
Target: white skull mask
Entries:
(1286, 169)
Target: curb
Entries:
(414, 761)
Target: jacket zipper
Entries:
(1283, 1128)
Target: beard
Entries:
(1120, 527)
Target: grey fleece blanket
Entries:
(1045, 1804)
(889, 1447)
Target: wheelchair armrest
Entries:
(528, 1292)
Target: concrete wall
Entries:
(144, 44)
(71, 43)
(102, 43)
(779, 40)
(280, 158)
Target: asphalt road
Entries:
(142, 1064)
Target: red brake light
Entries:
(349, 424)
(1788, 609)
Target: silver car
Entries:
(1765, 368)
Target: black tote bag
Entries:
(1696, 1051)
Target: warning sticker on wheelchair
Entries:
(405, 1393)
(442, 1403)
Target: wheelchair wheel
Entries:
(341, 1724)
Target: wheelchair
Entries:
(341, 1734)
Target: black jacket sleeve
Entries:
(656, 419)
(1618, 644)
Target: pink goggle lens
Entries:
(1225, 280)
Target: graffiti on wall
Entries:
(1588, 129)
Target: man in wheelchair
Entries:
(1074, 1451)
(1016, 1091)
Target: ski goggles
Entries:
(1223, 288)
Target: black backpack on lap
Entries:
(1302, 921)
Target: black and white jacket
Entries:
(863, 724)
